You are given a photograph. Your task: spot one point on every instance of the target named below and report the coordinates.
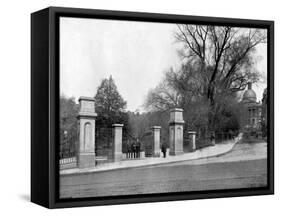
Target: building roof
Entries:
(249, 95)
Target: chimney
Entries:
(249, 85)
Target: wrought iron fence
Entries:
(67, 146)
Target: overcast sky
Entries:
(134, 53)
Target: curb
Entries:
(147, 165)
(218, 155)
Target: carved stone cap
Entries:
(176, 116)
(87, 107)
(176, 110)
(117, 125)
(156, 127)
(86, 115)
(86, 98)
(191, 132)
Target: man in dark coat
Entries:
(164, 149)
(138, 148)
(134, 150)
(212, 138)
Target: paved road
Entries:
(245, 166)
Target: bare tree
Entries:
(164, 96)
(217, 62)
(222, 54)
(177, 89)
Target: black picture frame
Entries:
(45, 106)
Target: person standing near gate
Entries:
(212, 138)
(131, 151)
(134, 150)
(164, 149)
(138, 148)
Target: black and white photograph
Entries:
(149, 107)
(140, 108)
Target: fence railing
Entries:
(68, 160)
(133, 155)
(66, 163)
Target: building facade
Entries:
(264, 113)
(251, 117)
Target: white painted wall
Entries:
(15, 107)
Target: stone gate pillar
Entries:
(192, 140)
(117, 142)
(176, 131)
(156, 141)
(87, 124)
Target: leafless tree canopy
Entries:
(177, 89)
(223, 55)
(217, 62)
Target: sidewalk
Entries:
(210, 151)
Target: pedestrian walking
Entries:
(212, 138)
(134, 150)
(138, 148)
(164, 150)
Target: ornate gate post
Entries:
(117, 142)
(87, 124)
(176, 131)
(156, 141)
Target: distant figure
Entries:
(164, 150)
(134, 150)
(231, 135)
(138, 148)
(129, 150)
(212, 138)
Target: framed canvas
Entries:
(138, 107)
